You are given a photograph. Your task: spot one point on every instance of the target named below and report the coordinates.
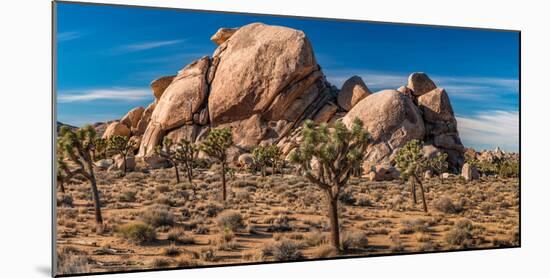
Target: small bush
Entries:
(346, 197)
(460, 234)
(232, 220)
(445, 205)
(137, 232)
(315, 239)
(65, 200)
(354, 240)
(178, 235)
(127, 196)
(157, 216)
(160, 263)
(171, 251)
(286, 250)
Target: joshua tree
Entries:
(121, 145)
(327, 156)
(412, 164)
(100, 147)
(77, 147)
(186, 153)
(166, 152)
(266, 156)
(215, 145)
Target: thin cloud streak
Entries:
(68, 36)
(490, 129)
(135, 47)
(121, 94)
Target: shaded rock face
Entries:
(132, 118)
(353, 91)
(159, 85)
(392, 120)
(441, 126)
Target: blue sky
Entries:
(108, 55)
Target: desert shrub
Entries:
(353, 240)
(162, 188)
(279, 224)
(160, 263)
(446, 205)
(178, 235)
(226, 240)
(208, 255)
(211, 209)
(242, 195)
(157, 216)
(243, 183)
(325, 251)
(72, 261)
(286, 250)
(416, 225)
(315, 239)
(127, 196)
(460, 234)
(396, 243)
(166, 200)
(137, 232)
(232, 220)
(171, 251)
(346, 197)
(65, 200)
(364, 202)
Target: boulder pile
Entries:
(263, 82)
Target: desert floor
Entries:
(284, 219)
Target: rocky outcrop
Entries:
(263, 81)
(441, 126)
(469, 172)
(353, 91)
(391, 119)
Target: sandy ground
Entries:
(284, 219)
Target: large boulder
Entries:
(159, 85)
(131, 119)
(326, 113)
(260, 69)
(183, 97)
(353, 91)
(441, 126)
(118, 164)
(116, 128)
(391, 118)
(247, 133)
(420, 83)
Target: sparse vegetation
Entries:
(215, 145)
(137, 232)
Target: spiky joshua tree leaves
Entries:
(77, 146)
(167, 152)
(215, 145)
(412, 163)
(327, 156)
(121, 145)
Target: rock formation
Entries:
(263, 81)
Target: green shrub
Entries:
(232, 220)
(354, 240)
(137, 232)
(157, 216)
(286, 250)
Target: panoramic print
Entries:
(194, 138)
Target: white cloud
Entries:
(490, 129)
(68, 36)
(122, 94)
(135, 47)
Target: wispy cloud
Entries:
(122, 94)
(141, 46)
(68, 36)
(490, 129)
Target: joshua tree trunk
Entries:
(97, 204)
(61, 185)
(422, 192)
(125, 167)
(333, 216)
(263, 171)
(224, 194)
(177, 171)
(413, 189)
